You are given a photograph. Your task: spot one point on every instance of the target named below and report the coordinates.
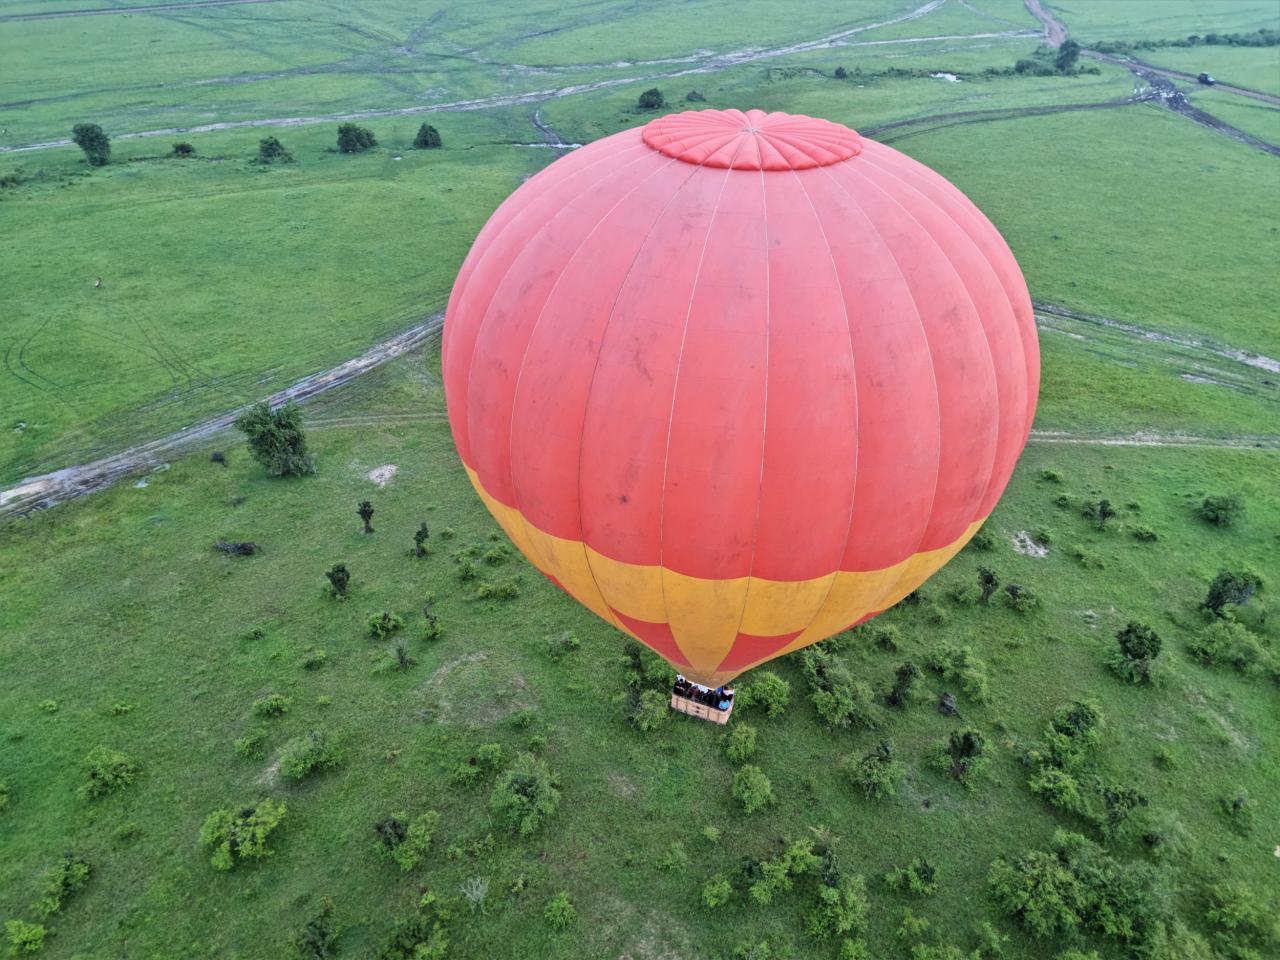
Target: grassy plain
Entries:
(122, 627)
(1255, 67)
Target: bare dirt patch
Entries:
(473, 690)
(1024, 544)
(382, 475)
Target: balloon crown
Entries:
(753, 140)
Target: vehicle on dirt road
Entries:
(1207, 79)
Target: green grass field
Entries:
(1255, 67)
(121, 627)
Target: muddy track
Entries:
(1158, 79)
(1150, 439)
(106, 11)
(937, 121)
(37, 493)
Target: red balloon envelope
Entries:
(736, 381)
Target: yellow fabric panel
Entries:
(704, 616)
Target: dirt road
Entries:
(104, 11)
(44, 491)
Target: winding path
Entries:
(106, 11)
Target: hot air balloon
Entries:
(737, 381)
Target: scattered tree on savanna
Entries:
(271, 150)
(339, 577)
(276, 439)
(841, 73)
(1231, 586)
(903, 679)
(1221, 511)
(318, 938)
(652, 99)
(962, 756)
(1139, 647)
(420, 540)
(96, 145)
(428, 138)
(233, 837)
(527, 794)
(365, 512)
(355, 139)
(693, 96)
(752, 788)
(1067, 56)
(987, 583)
(1099, 512)
(182, 150)
(877, 773)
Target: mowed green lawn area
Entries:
(222, 279)
(130, 605)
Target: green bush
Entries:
(841, 910)
(1145, 534)
(962, 755)
(560, 646)
(105, 771)
(840, 699)
(717, 891)
(559, 912)
(60, 882)
(276, 439)
(383, 625)
(272, 705)
(959, 665)
(271, 150)
(1238, 810)
(242, 835)
(752, 788)
(96, 145)
(314, 659)
(355, 139)
(250, 746)
(423, 935)
(1139, 647)
(877, 773)
(652, 99)
(740, 746)
(406, 842)
(182, 150)
(526, 795)
(904, 679)
(318, 938)
(918, 878)
(427, 138)
(507, 589)
(1020, 599)
(1228, 642)
(675, 860)
(1231, 586)
(24, 937)
(648, 710)
(766, 691)
(768, 878)
(304, 755)
(1242, 924)
(983, 540)
(1221, 511)
(4, 796)
(339, 577)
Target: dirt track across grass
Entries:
(104, 11)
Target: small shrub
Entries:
(1087, 558)
(959, 665)
(918, 878)
(1099, 512)
(466, 774)
(60, 882)
(675, 860)
(717, 891)
(106, 771)
(1228, 642)
(383, 625)
(4, 796)
(1020, 599)
(840, 73)
(250, 746)
(304, 755)
(399, 656)
(423, 935)
(962, 756)
(272, 705)
(693, 96)
(427, 138)
(339, 577)
(489, 755)
(648, 710)
(49, 706)
(768, 878)
(877, 774)
(904, 679)
(987, 583)
(983, 540)
(1139, 647)
(883, 635)
(1145, 534)
(355, 139)
(559, 647)
(1221, 511)
(1050, 476)
(752, 788)
(24, 937)
(559, 912)
(121, 708)
(507, 589)
(526, 795)
(652, 99)
(96, 145)
(365, 511)
(840, 699)
(276, 438)
(1243, 925)
(1232, 586)
(766, 691)
(466, 569)
(741, 743)
(841, 910)
(234, 837)
(182, 150)
(407, 843)
(1238, 810)
(314, 659)
(318, 937)
(271, 150)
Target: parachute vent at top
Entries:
(738, 380)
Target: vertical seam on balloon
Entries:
(604, 333)
(446, 336)
(675, 389)
(764, 422)
(857, 419)
(542, 309)
(986, 339)
(928, 352)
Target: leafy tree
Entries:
(95, 144)
(648, 710)
(877, 773)
(365, 511)
(71, 873)
(241, 835)
(752, 788)
(717, 891)
(182, 150)
(841, 73)
(768, 691)
(903, 680)
(1139, 647)
(741, 745)
(355, 139)
(271, 150)
(840, 699)
(420, 540)
(1067, 56)
(382, 625)
(962, 756)
(841, 910)
(987, 583)
(1243, 924)
(560, 913)
(652, 99)
(105, 771)
(339, 577)
(1230, 642)
(423, 935)
(276, 439)
(406, 842)
(919, 878)
(1020, 599)
(318, 938)
(314, 750)
(1234, 586)
(1099, 511)
(1221, 511)
(526, 795)
(24, 937)
(428, 138)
